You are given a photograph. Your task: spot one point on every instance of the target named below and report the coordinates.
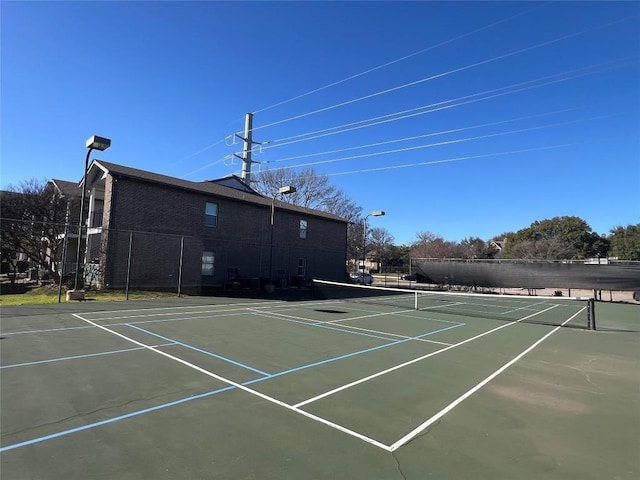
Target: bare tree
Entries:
(380, 239)
(33, 220)
(313, 190)
(429, 245)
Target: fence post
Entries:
(126, 291)
(181, 263)
(64, 252)
(592, 313)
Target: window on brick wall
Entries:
(211, 215)
(208, 261)
(303, 229)
(302, 266)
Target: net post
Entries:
(415, 300)
(592, 314)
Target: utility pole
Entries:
(247, 147)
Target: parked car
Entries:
(362, 278)
(411, 277)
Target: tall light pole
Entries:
(93, 143)
(281, 191)
(377, 213)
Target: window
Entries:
(208, 259)
(302, 267)
(211, 215)
(303, 229)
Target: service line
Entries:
(410, 362)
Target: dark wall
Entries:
(161, 217)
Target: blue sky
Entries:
(474, 119)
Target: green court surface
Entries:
(242, 388)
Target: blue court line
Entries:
(213, 392)
(191, 347)
(115, 419)
(341, 357)
(53, 360)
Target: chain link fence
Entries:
(143, 260)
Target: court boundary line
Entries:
(205, 305)
(332, 325)
(296, 408)
(426, 424)
(243, 387)
(202, 395)
(415, 360)
(76, 357)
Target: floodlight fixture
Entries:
(98, 143)
(287, 190)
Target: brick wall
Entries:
(165, 219)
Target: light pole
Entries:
(93, 143)
(377, 213)
(281, 191)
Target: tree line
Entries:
(557, 238)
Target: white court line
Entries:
(416, 431)
(343, 328)
(352, 327)
(182, 307)
(402, 313)
(146, 315)
(242, 387)
(415, 360)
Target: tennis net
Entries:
(574, 312)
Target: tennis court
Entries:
(301, 388)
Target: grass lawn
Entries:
(22, 295)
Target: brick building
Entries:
(151, 230)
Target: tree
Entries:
(312, 191)
(380, 240)
(396, 256)
(625, 242)
(33, 220)
(474, 247)
(554, 239)
(429, 245)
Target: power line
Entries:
(551, 79)
(422, 110)
(451, 160)
(384, 65)
(448, 160)
(204, 149)
(276, 143)
(400, 59)
(415, 137)
(448, 142)
(443, 74)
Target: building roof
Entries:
(218, 188)
(233, 181)
(67, 189)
